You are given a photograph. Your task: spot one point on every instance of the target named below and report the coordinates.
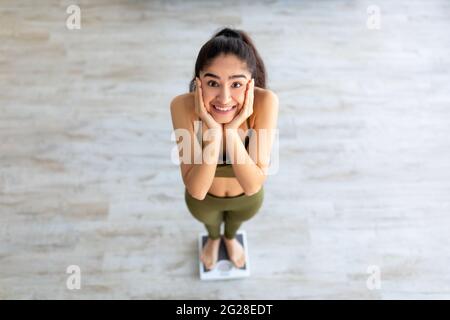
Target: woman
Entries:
(227, 103)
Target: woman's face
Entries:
(224, 83)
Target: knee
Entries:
(251, 215)
(241, 216)
(206, 216)
(202, 216)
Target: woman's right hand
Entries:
(200, 109)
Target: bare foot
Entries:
(210, 253)
(235, 252)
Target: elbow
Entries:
(249, 192)
(197, 194)
(200, 196)
(256, 187)
(195, 190)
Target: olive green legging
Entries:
(212, 210)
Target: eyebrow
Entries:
(212, 75)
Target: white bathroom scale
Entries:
(224, 268)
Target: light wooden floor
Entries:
(86, 176)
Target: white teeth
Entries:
(223, 109)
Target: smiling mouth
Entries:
(222, 110)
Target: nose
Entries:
(224, 95)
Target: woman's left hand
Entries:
(246, 111)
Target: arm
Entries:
(199, 177)
(251, 170)
(197, 165)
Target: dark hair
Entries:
(231, 41)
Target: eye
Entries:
(236, 85)
(212, 83)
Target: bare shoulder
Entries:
(265, 97)
(265, 105)
(182, 101)
(182, 106)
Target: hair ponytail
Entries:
(260, 72)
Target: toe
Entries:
(241, 260)
(208, 264)
(238, 262)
